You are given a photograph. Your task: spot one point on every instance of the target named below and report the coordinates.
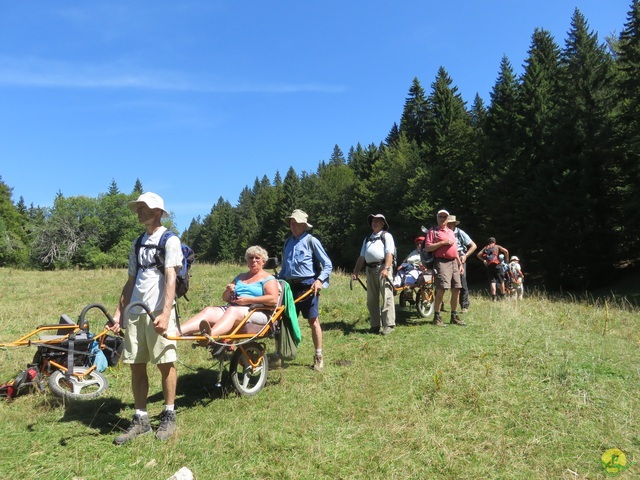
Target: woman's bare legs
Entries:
(225, 323)
(210, 314)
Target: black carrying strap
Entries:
(175, 306)
(69, 372)
(158, 258)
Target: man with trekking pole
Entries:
(377, 254)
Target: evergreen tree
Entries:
(217, 236)
(581, 193)
(113, 188)
(292, 191)
(191, 236)
(447, 156)
(415, 114)
(246, 222)
(394, 135)
(499, 153)
(137, 189)
(528, 180)
(628, 131)
(329, 195)
(119, 227)
(337, 157)
(361, 160)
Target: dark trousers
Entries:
(464, 291)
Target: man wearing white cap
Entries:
(144, 341)
(377, 253)
(305, 265)
(447, 266)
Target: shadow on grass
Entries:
(344, 327)
(199, 387)
(101, 413)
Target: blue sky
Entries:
(198, 98)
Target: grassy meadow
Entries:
(537, 389)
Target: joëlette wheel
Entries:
(78, 388)
(248, 368)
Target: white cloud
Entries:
(38, 73)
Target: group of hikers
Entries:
(154, 261)
(157, 256)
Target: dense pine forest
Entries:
(550, 166)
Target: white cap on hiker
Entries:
(151, 200)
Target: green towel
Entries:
(290, 314)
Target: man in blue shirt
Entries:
(305, 265)
(466, 247)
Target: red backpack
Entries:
(491, 255)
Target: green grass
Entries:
(536, 389)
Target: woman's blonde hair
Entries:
(256, 250)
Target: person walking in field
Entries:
(144, 340)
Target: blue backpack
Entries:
(188, 257)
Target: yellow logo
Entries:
(614, 461)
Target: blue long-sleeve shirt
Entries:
(297, 259)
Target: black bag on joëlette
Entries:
(112, 349)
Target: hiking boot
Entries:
(167, 425)
(318, 363)
(386, 330)
(374, 330)
(455, 320)
(437, 320)
(140, 425)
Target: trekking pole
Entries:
(360, 281)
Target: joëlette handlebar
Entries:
(125, 313)
(84, 324)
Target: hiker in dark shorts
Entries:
(490, 257)
(300, 254)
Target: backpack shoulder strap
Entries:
(137, 251)
(311, 244)
(162, 248)
(166, 236)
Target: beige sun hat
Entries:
(515, 259)
(452, 219)
(299, 216)
(151, 200)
